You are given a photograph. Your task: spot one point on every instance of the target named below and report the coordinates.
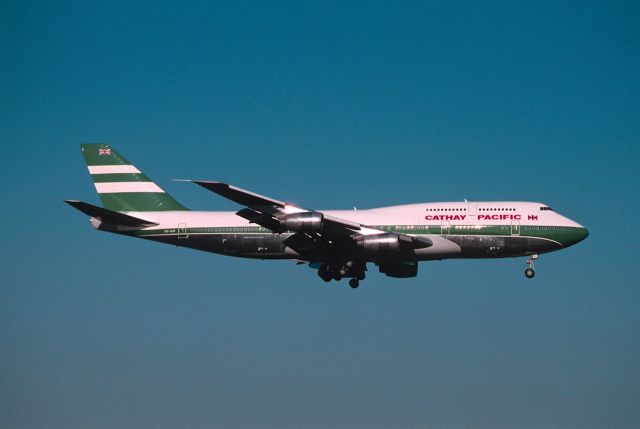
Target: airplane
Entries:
(338, 243)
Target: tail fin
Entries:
(121, 186)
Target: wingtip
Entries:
(203, 183)
(210, 184)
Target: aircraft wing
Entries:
(240, 196)
(313, 229)
(273, 214)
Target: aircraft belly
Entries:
(263, 246)
(443, 247)
(271, 246)
(486, 246)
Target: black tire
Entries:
(324, 272)
(354, 283)
(529, 273)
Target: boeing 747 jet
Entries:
(338, 243)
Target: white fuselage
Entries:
(454, 214)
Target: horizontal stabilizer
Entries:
(109, 216)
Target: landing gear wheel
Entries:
(354, 283)
(529, 273)
(325, 273)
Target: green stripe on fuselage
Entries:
(560, 234)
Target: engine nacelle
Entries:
(384, 246)
(304, 222)
(400, 269)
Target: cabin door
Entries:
(515, 227)
(472, 208)
(182, 231)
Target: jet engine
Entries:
(400, 269)
(304, 222)
(385, 246)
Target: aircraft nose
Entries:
(576, 236)
(582, 234)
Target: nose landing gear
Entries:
(530, 272)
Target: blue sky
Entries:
(329, 105)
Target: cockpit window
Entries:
(546, 208)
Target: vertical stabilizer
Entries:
(121, 186)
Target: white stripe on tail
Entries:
(112, 169)
(119, 187)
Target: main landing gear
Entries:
(529, 272)
(337, 271)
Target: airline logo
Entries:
(499, 217)
(104, 151)
(480, 217)
(445, 217)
